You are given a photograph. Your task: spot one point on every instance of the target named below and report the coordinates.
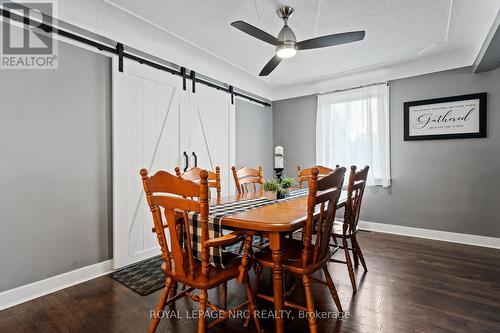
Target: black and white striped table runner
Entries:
(218, 212)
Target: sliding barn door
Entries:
(146, 134)
(154, 122)
(208, 132)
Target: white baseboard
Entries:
(445, 236)
(37, 289)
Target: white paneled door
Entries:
(154, 123)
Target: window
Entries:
(352, 128)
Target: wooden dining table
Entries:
(273, 221)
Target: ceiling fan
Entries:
(286, 42)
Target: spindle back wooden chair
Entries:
(303, 175)
(306, 256)
(167, 195)
(246, 179)
(193, 175)
(348, 229)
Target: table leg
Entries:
(278, 291)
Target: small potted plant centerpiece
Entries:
(280, 186)
(287, 183)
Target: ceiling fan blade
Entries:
(256, 32)
(331, 40)
(270, 66)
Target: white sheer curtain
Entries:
(352, 128)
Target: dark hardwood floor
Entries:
(413, 285)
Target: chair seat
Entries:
(292, 257)
(338, 229)
(217, 275)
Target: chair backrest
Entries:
(325, 193)
(193, 175)
(303, 175)
(355, 191)
(246, 179)
(169, 193)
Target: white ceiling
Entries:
(397, 31)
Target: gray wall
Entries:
(254, 136)
(55, 153)
(449, 185)
(55, 135)
(294, 128)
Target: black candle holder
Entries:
(279, 177)
(279, 173)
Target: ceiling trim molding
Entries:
(447, 33)
(111, 3)
(389, 72)
(489, 55)
(106, 19)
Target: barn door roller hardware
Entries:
(231, 92)
(119, 50)
(183, 74)
(193, 80)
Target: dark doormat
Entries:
(144, 277)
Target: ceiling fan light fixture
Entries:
(286, 51)
(286, 43)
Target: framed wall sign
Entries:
(454, 117)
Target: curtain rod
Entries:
(353, 88)
(118, 48)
